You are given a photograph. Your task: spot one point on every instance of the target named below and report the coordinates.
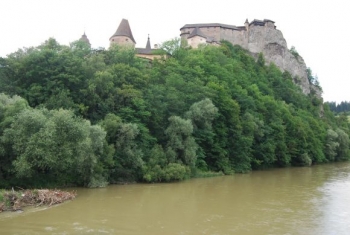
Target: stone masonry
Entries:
(257, 36)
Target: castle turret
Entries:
(123, 35)
(148, 45)
(85, 39)
(246, 24)
(145, 51)
(148, 52)
(269, 23)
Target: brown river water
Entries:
(308, 200)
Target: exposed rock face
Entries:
(272, 44)
(257, 36)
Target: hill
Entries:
(70, 115)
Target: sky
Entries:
(317, 29)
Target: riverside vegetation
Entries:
(71, 115)
(15, 200)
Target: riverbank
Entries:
(11, 200)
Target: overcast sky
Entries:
(317, 29)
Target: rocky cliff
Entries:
(272, 44)
(258, 36)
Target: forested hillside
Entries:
(343, 107)
(70, 115)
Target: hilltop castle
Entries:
(123, 37)
(258, 36)
(213, 33)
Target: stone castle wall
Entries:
(194, 41)
(262, 37)
(121, 40)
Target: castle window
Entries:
(126, 39)
(112, 39)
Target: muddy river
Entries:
(309, 200)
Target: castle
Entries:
(193, 34)
(123, 37)
(213, 33)
(258, 36)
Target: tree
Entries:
(331, 145)
(173, 47)
(10, 107)
(181, 142)
(202, 114)
(343, 152)
(128, 155)
(294, 52)
(212, 109)
(64, 148)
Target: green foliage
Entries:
(128, 153)
(343, 148)
(343, 106)
(206, 174)
(174, 48)
(294, 52)
(202, 113)
(2, 192)
(153, 171)
(181, 144)
(331, 144)
(176, 171)
(205, 110)
(55, 144)
(313, 79)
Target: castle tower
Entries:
(246, 24)
(148, 45)
(85, 39)
(123, 35)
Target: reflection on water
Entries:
(312, 200)
(336, 203)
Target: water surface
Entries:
(310, 200)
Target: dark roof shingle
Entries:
(196, 32)
(210, 25)
(124, 30)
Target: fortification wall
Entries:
(149, 57)
(195, 41)
(261, 36)
(237, 38)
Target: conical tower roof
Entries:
(84, 39)
(147, 50)
(148, 45)
(124, 30)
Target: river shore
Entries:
(11, 200)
